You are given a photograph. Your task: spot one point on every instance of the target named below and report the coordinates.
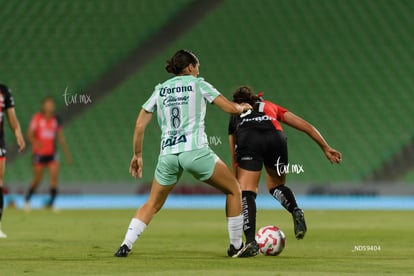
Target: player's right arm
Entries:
(31, 137)
(142, 122)
(231, 107)
(297, 122)
(15, 126)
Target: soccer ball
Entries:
(271, 240)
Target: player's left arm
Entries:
(15, 126)
(64, 145)
(144, 118)
(230, 107)
(297, 122)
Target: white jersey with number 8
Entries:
(180, 103)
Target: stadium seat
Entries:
(342, 65)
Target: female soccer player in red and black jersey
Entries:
(44, 128)
(7, 108)
(257, 138)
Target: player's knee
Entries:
(235, 190)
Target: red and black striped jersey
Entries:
(265, 116)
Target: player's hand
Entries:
(333, 155)
(20, 143)
(246, 106)
(135, 168)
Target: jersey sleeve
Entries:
(208, 91)
(8, 99)
(281, 113)
(277, 110)
(151, 103)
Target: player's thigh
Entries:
(249, 166)
(275, 156)
(158, 194)
(200, 163)
(206, 166)
(249, 180)
(273, 178)
(168, 170)
(223, 179)
(53, 168)
(274, 151)
(38, 171)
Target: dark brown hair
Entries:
(47, 98)
(180, 60)
(244, 94)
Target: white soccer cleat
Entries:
(2, 235)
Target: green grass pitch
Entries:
(194, 242)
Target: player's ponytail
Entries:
(180, 61)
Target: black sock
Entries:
(249, 215)
(1, 202)
(29, 194)
(53, 192)
(285, 196)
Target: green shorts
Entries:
(200, 163)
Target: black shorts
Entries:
(43, 159)
(255, 148)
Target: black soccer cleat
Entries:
(232, 251)
(299, 223)
(123, 251)
(249, 250)
(245, 251)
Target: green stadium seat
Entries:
(342, 65)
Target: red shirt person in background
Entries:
(45, 128)
(7, 108)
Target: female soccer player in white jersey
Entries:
(180, 103)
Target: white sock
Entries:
(235, 227)
(135, 229)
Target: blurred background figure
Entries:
(45, 128)
(7, 108)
